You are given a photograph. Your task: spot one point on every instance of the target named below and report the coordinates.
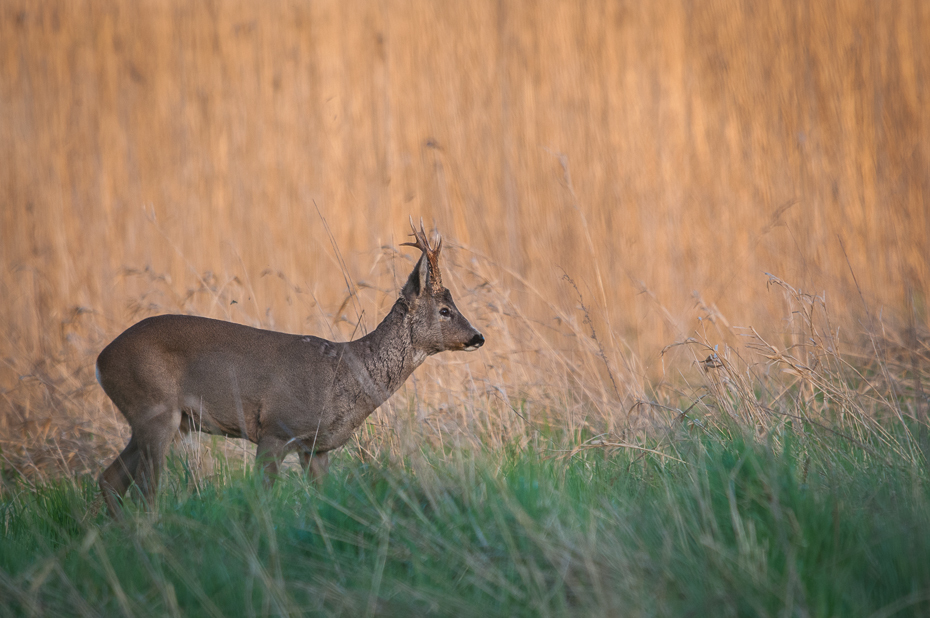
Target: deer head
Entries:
(436, 323)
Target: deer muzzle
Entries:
(474, 343)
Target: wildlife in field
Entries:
(284, 392)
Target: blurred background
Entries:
(609, 178)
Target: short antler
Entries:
(432, 255)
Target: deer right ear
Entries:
(418, 280)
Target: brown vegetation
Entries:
(604, 175)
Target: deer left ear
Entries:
(423, 273)
(418, 280)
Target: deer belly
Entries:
(232, 419)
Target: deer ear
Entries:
(418, 280)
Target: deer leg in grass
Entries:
(271, 450)
(141, 461)
(315, 465)
(154, 436)
(117, 478)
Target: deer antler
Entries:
(432, 255)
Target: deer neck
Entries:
(382, 360)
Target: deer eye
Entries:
(444, 312)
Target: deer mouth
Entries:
(474, 343)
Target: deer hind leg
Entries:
(116, 479)
(142, 459)
(153, 437)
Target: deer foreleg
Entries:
(315, 465)
(271, 450)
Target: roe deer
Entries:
(284, 392)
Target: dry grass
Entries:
(610, 178)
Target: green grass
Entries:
(799, 523)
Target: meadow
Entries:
(695, 236)
(799, 524)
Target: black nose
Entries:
(475, 342)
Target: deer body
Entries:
(284, 392)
